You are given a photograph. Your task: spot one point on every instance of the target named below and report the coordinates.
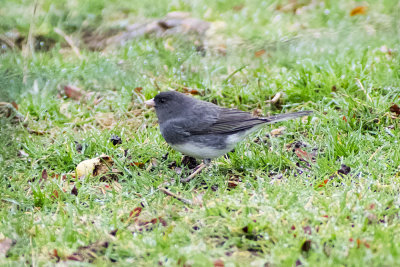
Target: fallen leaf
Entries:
(78, 147)
(147, 225)
(191, 91)
(303, 155)
(189, 162)
(324, 183)
(94, 167)
(22, 154)
(138, 164)
(306, 247)
(232, 184)
(307, 230)
(259, 53)
(135, 212)
(73, 92)
(55, 255)
(257, 112)
(7, 110)
(74, 191)
(15, 105)
(5, 245)
(114, 232)
(44, 174)
(344, 169)
(138, 89)
(54, 195)
(89, 253)
(278, 131)
(359, 10)
(115, 140)
(219, 263)
(234, 181)
(395, 108)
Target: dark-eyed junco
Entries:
(203, 130)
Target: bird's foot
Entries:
(196, 171)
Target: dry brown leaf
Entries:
(279, 131)
(303, 155)
(359, 10)
(191, 91)
(259, 53)
(73, 92)
(95, 166)
(219, 263)
(7, 110)
(5, 245)
(89, 253)
(44, 174)
(257, 112)
(135, 212)
(306, 247)
(138, 89)
(54, 195)
(138, 164)
(234, 181)
(395, 108)
(74, 191)
(15, 105)
(232, 184)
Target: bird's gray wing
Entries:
(226, 121)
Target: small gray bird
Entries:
(203, 130)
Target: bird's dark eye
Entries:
(162, 100)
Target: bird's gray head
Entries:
(170, 105)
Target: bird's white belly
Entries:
(200, 152)
(203, 152)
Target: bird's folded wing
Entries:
(228, 121)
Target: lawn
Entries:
(317, 191)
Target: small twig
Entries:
(69, 41)
(190, 177)
(275, 98)
(365, 91)
(36, 131)
(376, 151)
(169, 193)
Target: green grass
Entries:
(351, 220)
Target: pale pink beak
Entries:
(150, 103)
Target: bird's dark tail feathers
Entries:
(287, 116)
